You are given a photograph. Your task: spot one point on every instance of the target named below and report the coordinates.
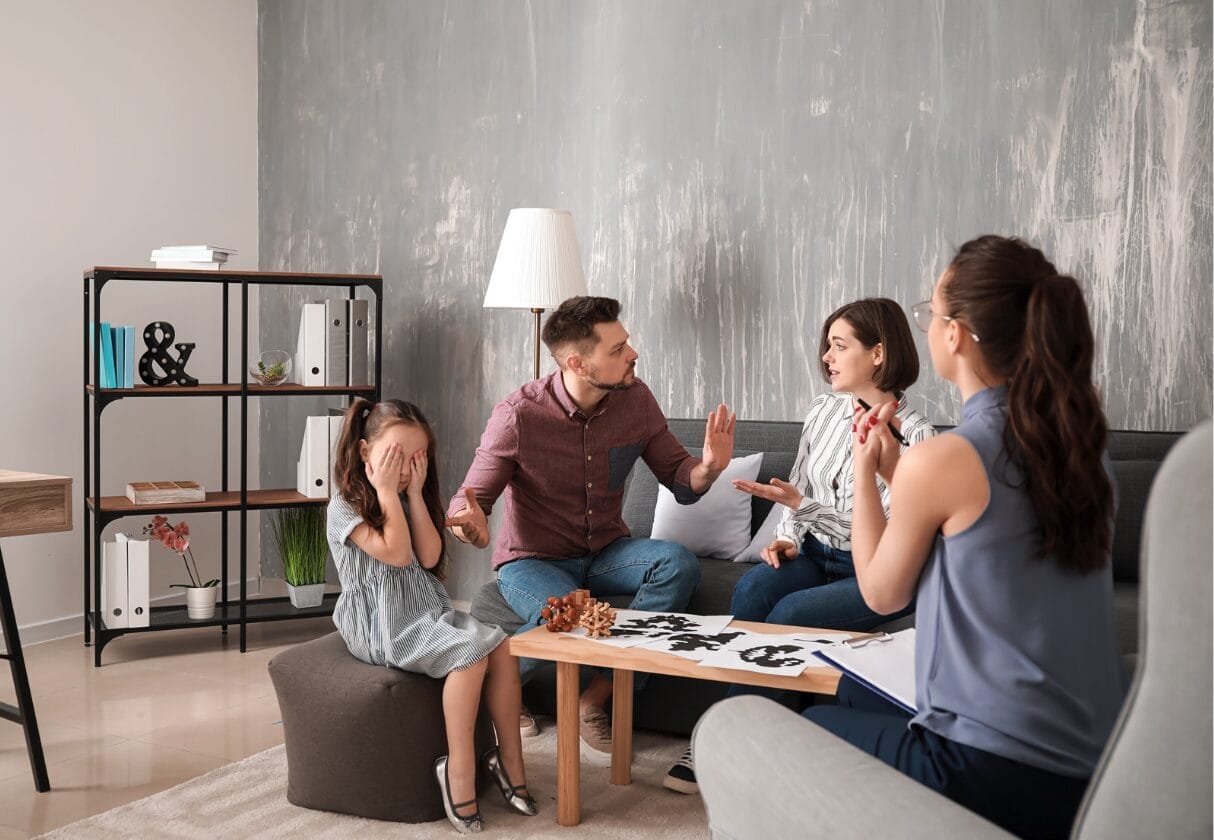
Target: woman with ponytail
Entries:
(1001, 529)
(385, 529)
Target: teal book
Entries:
(107, 356)
(119, 357)
(129, 334)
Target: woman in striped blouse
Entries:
(385, 529)
(806, 577)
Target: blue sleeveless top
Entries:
(1013, 655)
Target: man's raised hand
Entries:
(718, 439)
(470, 525)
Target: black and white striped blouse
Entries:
(823, 471)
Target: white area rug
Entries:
(248, 799)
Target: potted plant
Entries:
(304, 548)
(199, 594)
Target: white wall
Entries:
(124, 125)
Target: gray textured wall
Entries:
(736, 170)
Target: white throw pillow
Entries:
(718, 525)
(762, 537)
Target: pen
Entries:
(897, 434)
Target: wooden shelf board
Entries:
(176, 617)
(231, 389)
(229, 275)
(214, 501)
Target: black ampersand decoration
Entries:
(157, 354)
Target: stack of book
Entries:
(117, 356)
(332, 345)
(195, 257)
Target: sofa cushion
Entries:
(775, 465)
(718, 525)
(762, 537)
(641, 491)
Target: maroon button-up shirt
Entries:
(561, 474)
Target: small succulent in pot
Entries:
(272, 367)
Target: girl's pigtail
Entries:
(351, 477)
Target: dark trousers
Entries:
(1025, 800)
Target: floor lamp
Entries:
(538, 265)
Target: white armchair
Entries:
(767, 773)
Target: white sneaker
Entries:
(527, 726)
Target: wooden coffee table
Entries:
(568, 652)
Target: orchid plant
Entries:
(176, 538)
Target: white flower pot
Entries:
(200, 601)
(308, 595)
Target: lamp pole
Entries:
(538, 311)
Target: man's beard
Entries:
(623, 385)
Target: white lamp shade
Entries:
(538, 263)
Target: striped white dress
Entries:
(399, 616)
(823, 471)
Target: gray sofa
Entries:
(672, 704)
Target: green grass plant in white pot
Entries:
(304, 549)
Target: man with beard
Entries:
(559, 451)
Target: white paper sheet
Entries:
(694, 645)
(764, 654)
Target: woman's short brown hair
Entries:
(878, 321)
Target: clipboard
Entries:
(883, 664)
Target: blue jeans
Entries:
(661, 575)
(1025, 800)
(817, 588)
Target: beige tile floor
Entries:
(163, 708)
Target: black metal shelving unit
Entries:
(100, 510)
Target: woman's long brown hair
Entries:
(1033, 329)
(367, 421)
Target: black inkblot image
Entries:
(695, 641)
(621, 632)
(769, 656)
(659, 624)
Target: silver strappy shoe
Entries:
(516, 796)
(464, 825)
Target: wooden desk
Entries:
(29, 504)
(571, 651)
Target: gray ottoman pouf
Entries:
(362, 739)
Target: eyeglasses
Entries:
(923, 315)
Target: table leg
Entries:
(23, 712)
(621, 727)
(568, 746)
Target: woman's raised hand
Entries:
(778, 550)
(780, 492)
(385, 474)
(873, 447)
